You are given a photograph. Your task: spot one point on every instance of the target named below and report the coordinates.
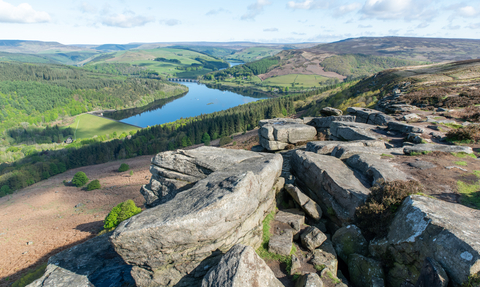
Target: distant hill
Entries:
(33, 47)
(116, 47)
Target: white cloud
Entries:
(299, 34)
(345, 9)
(126, 21)
(468, 11)
(255, 9)
(85, 7)
(23, 13)
(474, 26)
(398, 9)
(171, 22)
(423, 25)
(364, 26)
(308, 4)
(216, 11)
(451, 27)
(270, 30)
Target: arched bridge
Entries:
(182, 80)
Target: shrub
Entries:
(469, 133)
(225, 140)
(30, 276)
(119, 213)
(123, 167)
(376, 214)
(94, 184)
(79, 179)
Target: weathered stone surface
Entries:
(292, 217)
(188, 233)
(308, 205)
(326, 147)
(375, 168)
(425, 148)
(328, 111)
(349, 240)
(411, 117)
(276, 135)
(404, 128)
(282, 243)
(296, 265)
(344, 152)
(398, 108)
(241, 267)
(92, 263)
(353, 131)
(175, 171)
(325, 122)
(365, 272)
(432, 275)
(369, 116)
(312, 238)
(330, 183)
(309, 280)
(323, 258)
(446, 232)
(399, 273)
(421, 164)
(414, 138)
(262, 123)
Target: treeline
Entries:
(246, 70)
(37, 94)
(151, 140)
(160, 59)
(358, 65)
(122, 69)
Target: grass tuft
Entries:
(462, 163)
(470, 194)
(30, 276)
(463, 155)
(388, 155)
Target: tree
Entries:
(79, 179)
(94, 184)
(119, 213)
(123, 167)
(206, 139)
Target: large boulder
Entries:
(262, 123)
(328, 111)
(241, 267)
(404, 128)
(369, 116)
(329, 182)
(365, 272)
(374, 168)
(92, 263)
(278, 134)
(349, 240)
(312, 238)
(344, 152)
(432, 275)
(446, 232)
(426, 148)
(324, 259)
(309, 280)
(348, 131)
(307, 204)
(187, 234)
(326, 147)
(325, 122)
(281, 243)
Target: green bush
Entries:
(30, 276)
(466, 134)
(94, 184)
(123, 167)
(376, 214)
(119, 213)
(79, 179)
(225, 140)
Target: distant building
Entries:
(69, 140)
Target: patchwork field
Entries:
(88, 126)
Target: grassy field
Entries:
(145, 58)
(90, 126)
(253, 54)
(297, 79)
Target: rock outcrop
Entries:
(241, 267)
(369, 116)
(374, 168)
(277, 134)
(348, 131)
(327, 147)
(426, 148)
(92, 263)
(176, 242)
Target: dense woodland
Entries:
(246, 70)
(38, 94)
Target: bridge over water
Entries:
(182, 80)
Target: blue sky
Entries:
(268, 21)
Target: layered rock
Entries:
(374, 168)
(327, 147)
(348, 131)
(404, 128)
(369, 116)
(92, 263)
(176, 242)
(446, 232)
(426, 148)
(277, 134)
(330, 183)
(241, 267)
(325, 122)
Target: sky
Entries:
(264, 21)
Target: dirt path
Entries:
(48, 217)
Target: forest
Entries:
(253, 68)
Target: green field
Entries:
(90, 126)
(253, 54)
(146, 58)
(297, 80)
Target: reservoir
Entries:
(198, 100)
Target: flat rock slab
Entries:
(189, 232)
(281, 243)
(375, 168)
(325, 122)
(353, 131)
(326, 147)
(344, 152)
(331, 183)
(425, 148)
(443, 231)
(241, 267)
(292, 217)
(421, 164)
(262, 123)
(278, 134)
(92, 263)
(369, 116)
(404, 128)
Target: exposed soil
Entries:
(48, 217)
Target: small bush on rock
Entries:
(467, 134)
(119, 213)
(79, 179)
(123, 167)
(94, 184)
(376, 214)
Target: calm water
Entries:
(233, 64)
(199, 100)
